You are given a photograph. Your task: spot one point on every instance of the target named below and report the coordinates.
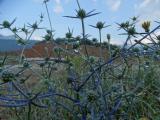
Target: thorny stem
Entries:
(109, 48)
(49, 18)
(84, 38)
(100, 48)
(125, 44)
(22, 53)
(29, 112)
(100, 66)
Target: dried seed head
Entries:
(146, 26)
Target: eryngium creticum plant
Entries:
(123, 87)
(100, 25)
(82, 15)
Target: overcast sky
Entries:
(28, 11)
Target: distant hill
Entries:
(9, 43)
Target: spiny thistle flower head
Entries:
(134, 18)
(94, 40)
(100, 25)
(91, 96)
(69, 34)
(81, 13)
(15, 30)
(78, 38)
(49, 31)
(26, 65)
(20, 41)
(41, 17)
(24, 30)
(34, 25)
(6, 24)
(76, 45)
(7, 76)
(47, 37)
(124, 25)
(131, 31)
(146, 26)
(92, 59)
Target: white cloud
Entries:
(58, 9)
(36, 37)
(145, 3)
(40, 1)
(58, 1)
(67, 1)
(94, 0)
(114, 5)
(148, 9)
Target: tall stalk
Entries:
(84, 38)
(100, 26)
(100, 40)
(29, 112)
(109, 45)
(49, 18)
